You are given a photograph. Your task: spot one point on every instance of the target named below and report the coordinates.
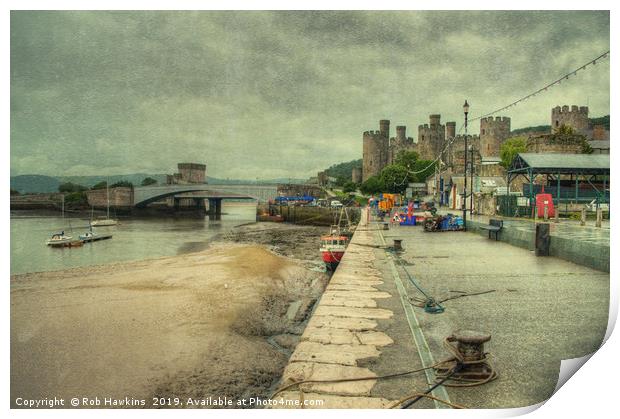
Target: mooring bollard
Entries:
(386, 226)
(599, 217)
(542, 240)
(467, 346)
(583, 216)
(398, 245)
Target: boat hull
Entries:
(103, 223)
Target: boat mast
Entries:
(107, 191)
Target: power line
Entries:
(545, 88)
(515, 103)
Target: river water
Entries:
(133, 238)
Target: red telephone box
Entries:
(542, 200)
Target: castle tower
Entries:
(192, 172)
(400, 143)
(401, 133)
(450, 130)
(431, 138)
(576, 118)
(384, 127)
(493, 132)
(375, 150)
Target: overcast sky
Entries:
(276, 94)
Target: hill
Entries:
(343, 170)
(34, 183)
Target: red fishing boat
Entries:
(332, 249)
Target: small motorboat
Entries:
(59, 239)
(332, 249)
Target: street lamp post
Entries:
(464, 205)
(471, 177)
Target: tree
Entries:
(122, 183)
(509, 150)
(69, 187)
(407, 158)
(349, 187)
(76, 198)
(101, 185)
(149, 181)
(395, 178)
(371, 186)
(422, 169)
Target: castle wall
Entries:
(545, 144)
(119, 197)
(456, 153)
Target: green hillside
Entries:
(343, 170)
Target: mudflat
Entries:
(205, 324)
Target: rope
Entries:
(343, 380)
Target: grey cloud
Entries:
(275, 93)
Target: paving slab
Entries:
(332, 353)
(302, 371)
(318, 320)
(353, 312)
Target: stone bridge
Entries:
(141, 196)
(144, 195)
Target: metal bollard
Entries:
(599, 217)
(468, 349)
(583, 216)
(386, 226)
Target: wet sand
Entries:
(215, 323)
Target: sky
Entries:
(261, 95)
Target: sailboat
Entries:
(102, 222)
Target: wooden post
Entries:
(583, 216)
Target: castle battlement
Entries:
(568, 110)
(491, 120)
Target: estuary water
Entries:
(133, 238)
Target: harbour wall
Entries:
(319, 216)
(587, 253)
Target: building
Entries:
(375, 150)
(356, 175)
(188, 173)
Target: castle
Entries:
(380, 150)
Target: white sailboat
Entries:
(102, 222)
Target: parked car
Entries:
(335, 204)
